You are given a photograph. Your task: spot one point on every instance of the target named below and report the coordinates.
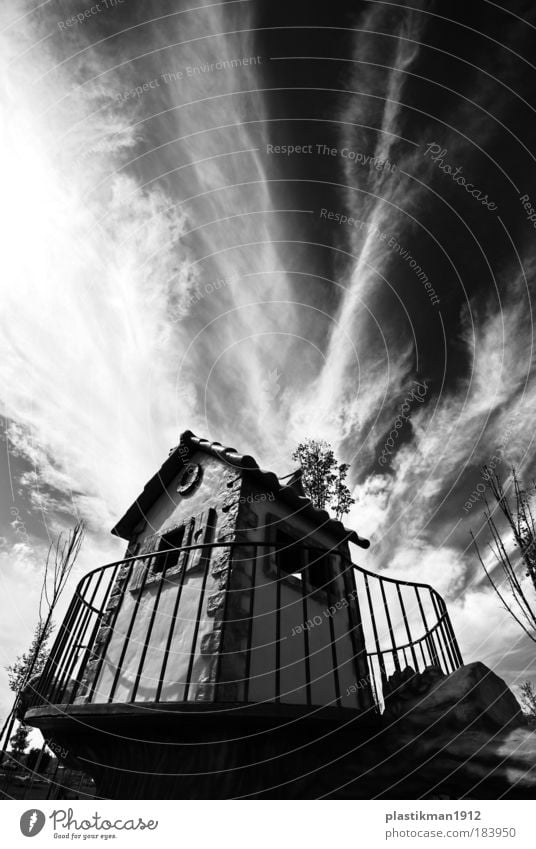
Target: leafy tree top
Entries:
(324, 477)
(20, 740)
(31, 662)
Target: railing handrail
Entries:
(273, 544)
(417, 640)
(268, 543)
(436, 642)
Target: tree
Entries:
(520, 519)
(32, 661)
(323, 477)
(60, 560)
(19, 741)
(528, 698)
(38, 760)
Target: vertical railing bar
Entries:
(408, 631)
(34, 771)
(277, 629)
(381, 662)
(158, 593)
(250, 623)
(357, 636)
(68, 637)
(73, 648)
(390, 626)
(430, 642)
(441, 637)
(184, 563)
(166, 557)
(305, 589)
(424, 645)
(425, 651)
(450, 648)
(205, 557)
(52, 664)
(431, 649)
(130, 628)
(425, 623)
(113, 620)
(423, 655)
(184, 556)
(336, 677)
(434, 635)
(443, 642)
(91, 640)
(52, 786)
(70, 652)
(433, 657)
(453, 642)
(443, 647)
(356, 627)
(373, 677)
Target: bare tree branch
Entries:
(521, 522)
(497, 590)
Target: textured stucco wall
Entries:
(196, 635)
(255, 521)
(172, 509)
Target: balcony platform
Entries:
(107, 717)
(220, 751)
(155, 690)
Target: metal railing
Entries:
(131, 625)
(406, 626)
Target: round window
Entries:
(189, 478)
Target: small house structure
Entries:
(236, 609)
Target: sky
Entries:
(248, 219)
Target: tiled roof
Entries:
(292, 492)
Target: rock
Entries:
(461, 734)
(471, 697)
(469, 764)
(406, 684)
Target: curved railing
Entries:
(406, 624)
(108, 630)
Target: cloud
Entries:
(410, 513)
(87, 370)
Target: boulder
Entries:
(471, 697)
(453, 736)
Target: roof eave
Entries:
(188, 444)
